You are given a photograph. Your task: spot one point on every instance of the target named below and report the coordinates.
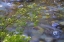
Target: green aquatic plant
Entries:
(16, 38)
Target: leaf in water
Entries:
(47, 16)
(44, 7)
(47, 13)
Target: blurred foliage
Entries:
(30, 13)
(16, 38)
(19, 20)
(2, 36)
